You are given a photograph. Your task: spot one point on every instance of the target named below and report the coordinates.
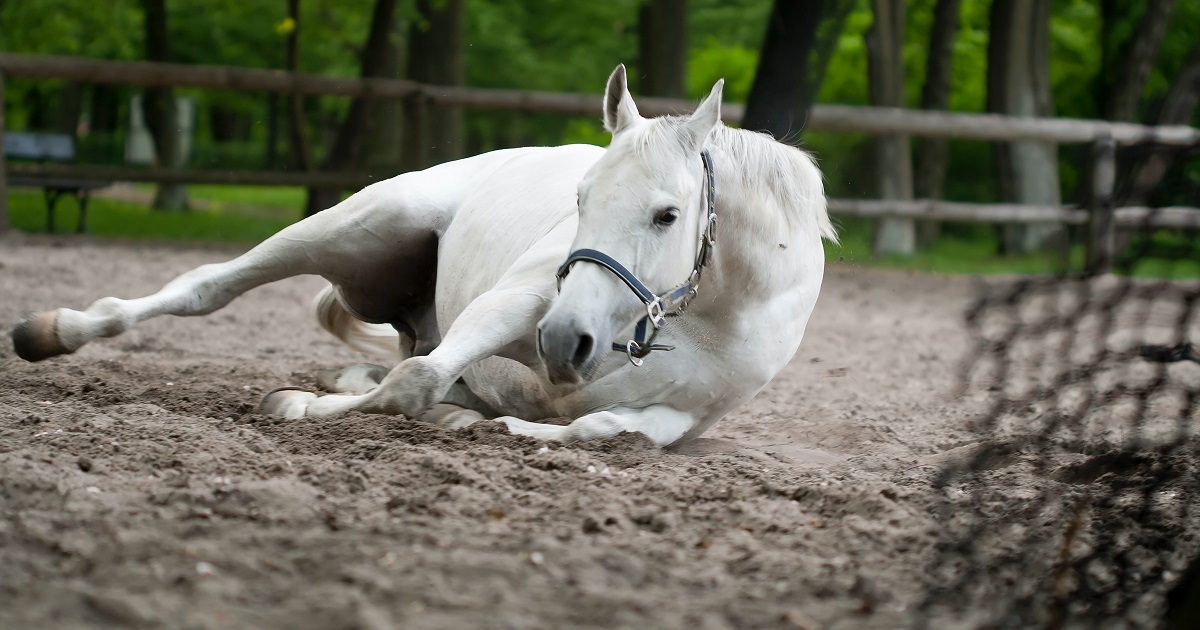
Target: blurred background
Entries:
(1116, 60)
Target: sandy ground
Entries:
(139, 489)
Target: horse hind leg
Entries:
(197, 292)
(312, 246)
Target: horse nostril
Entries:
(583, 350)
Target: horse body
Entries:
(454, 267)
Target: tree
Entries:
(1018, 84)
(1141, 53)
(159, 106)
(1178, 108)
(347, 151)
(662, 48)
(435, 56)
(893, 160)
(800, 39)
(932, 153)
(299, 151)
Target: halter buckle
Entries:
(655, 312)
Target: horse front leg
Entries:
(503, 318)
(662, 424)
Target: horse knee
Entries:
(411, 388)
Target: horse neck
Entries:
(760, 246)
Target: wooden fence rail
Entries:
(1102, 217)
(90, 172)
(872, 120)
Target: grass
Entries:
(249, 214)
(969, 251)
(123, 219)
(972, 249)
(280, 200)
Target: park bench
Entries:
(50, 147)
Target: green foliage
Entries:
(1074, 30)
(550, 44)
(119, 219)
(736, 64)
(109, 30)
(585, 131)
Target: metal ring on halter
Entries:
(631, 353)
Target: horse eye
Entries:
(667, 217)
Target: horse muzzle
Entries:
(571, 350)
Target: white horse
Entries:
(455, 266)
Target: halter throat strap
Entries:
(671, 303)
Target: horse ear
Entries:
(706, 116)
(619, 108)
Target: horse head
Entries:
(644, 211)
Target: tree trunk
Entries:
(662, 48)
(796, 50)
(105, 108)
(1178, 108)
(272, 149)
(932, 153)
(893, 166)
(433, 135)
(300, 156)
(1019, 85)
(162, 116)
(348, 148)
(384, 152)
(70, 105)
(1125, 92)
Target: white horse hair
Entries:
(452, 271)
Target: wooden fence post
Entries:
(3, 174)
(1102, 226)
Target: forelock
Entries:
(659, 139)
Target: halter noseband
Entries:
(658, 307)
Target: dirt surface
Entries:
(138, 488)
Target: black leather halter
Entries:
(669, 304)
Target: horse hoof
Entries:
(358, 378)
(460, 419)
(448, 416)
(34, 338)
(286, 402)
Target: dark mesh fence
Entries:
(1093, 391)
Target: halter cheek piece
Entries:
(658, 307)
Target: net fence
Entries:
(1091, 390)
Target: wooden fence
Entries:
(1104, 135)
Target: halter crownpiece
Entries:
(673, 302)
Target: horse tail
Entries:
(374, 339)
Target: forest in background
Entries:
(1115, 59)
